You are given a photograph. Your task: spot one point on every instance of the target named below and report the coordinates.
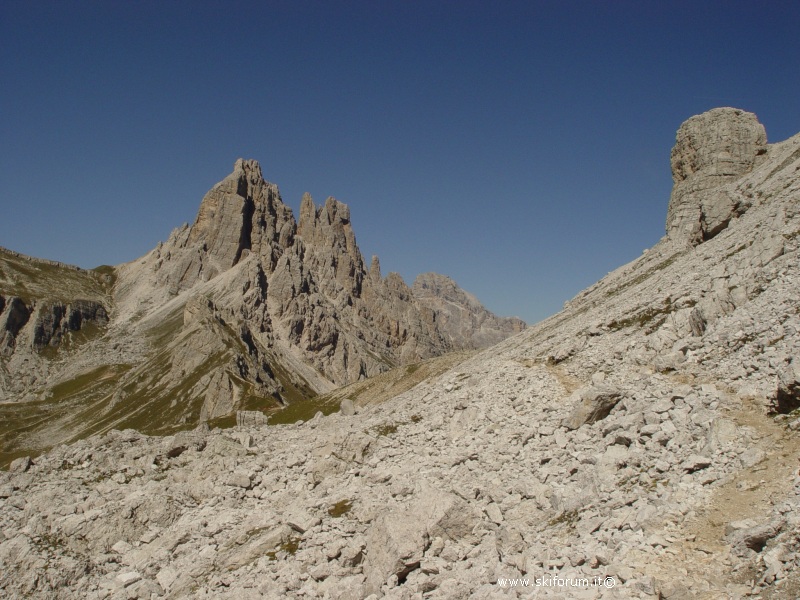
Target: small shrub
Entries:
(568, 517)
(340, 509)
(387, 429)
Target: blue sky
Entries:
(520, 147)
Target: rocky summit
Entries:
(246, 309)
(641, 443)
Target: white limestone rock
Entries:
(711, 150)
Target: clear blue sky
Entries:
(520, 147)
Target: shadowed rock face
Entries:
(241, 214)
(711, 151)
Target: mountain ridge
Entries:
(255, 309)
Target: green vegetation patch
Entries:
(30, 278)
(650, 318)
(567, 517)
(340, 509)
(75, 402)
(83, 382)
(295, 392)
(167, 330)
(88, 332)
(386, 429)
(290, 547)
(303, 410)
(789, 160)
(646, 275)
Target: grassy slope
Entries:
(141, 396)
(371, 391)
(33, 279)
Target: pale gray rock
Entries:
(696, 463)
(128, 578)
(250, 418)
(711, 150)
(251, 545)
(397, 541)
(240, 479)
(463, 320)
(756, 537)
(20, 465)
(592, 404)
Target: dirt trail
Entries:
(700, 549)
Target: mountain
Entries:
(246, 309)
(641, 443)
(463, 320)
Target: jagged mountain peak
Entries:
(290, 310)
(243, 213)
(461, 315)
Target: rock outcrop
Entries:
(712, 151)
(45, 324)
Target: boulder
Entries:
(756, 537)
(347, 408)
(20, 465)
(787, 396)
(593, 404)
(397, 540)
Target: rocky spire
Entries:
(308, 213)
(243, 213)
(711, 150)
(331, 244)
(375, 268)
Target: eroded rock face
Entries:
(54, 320)
(14, 314)
(463, 320)
(711, 150)
(305, 283)
(44, 323)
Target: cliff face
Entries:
(247, 308)
(712, 152)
